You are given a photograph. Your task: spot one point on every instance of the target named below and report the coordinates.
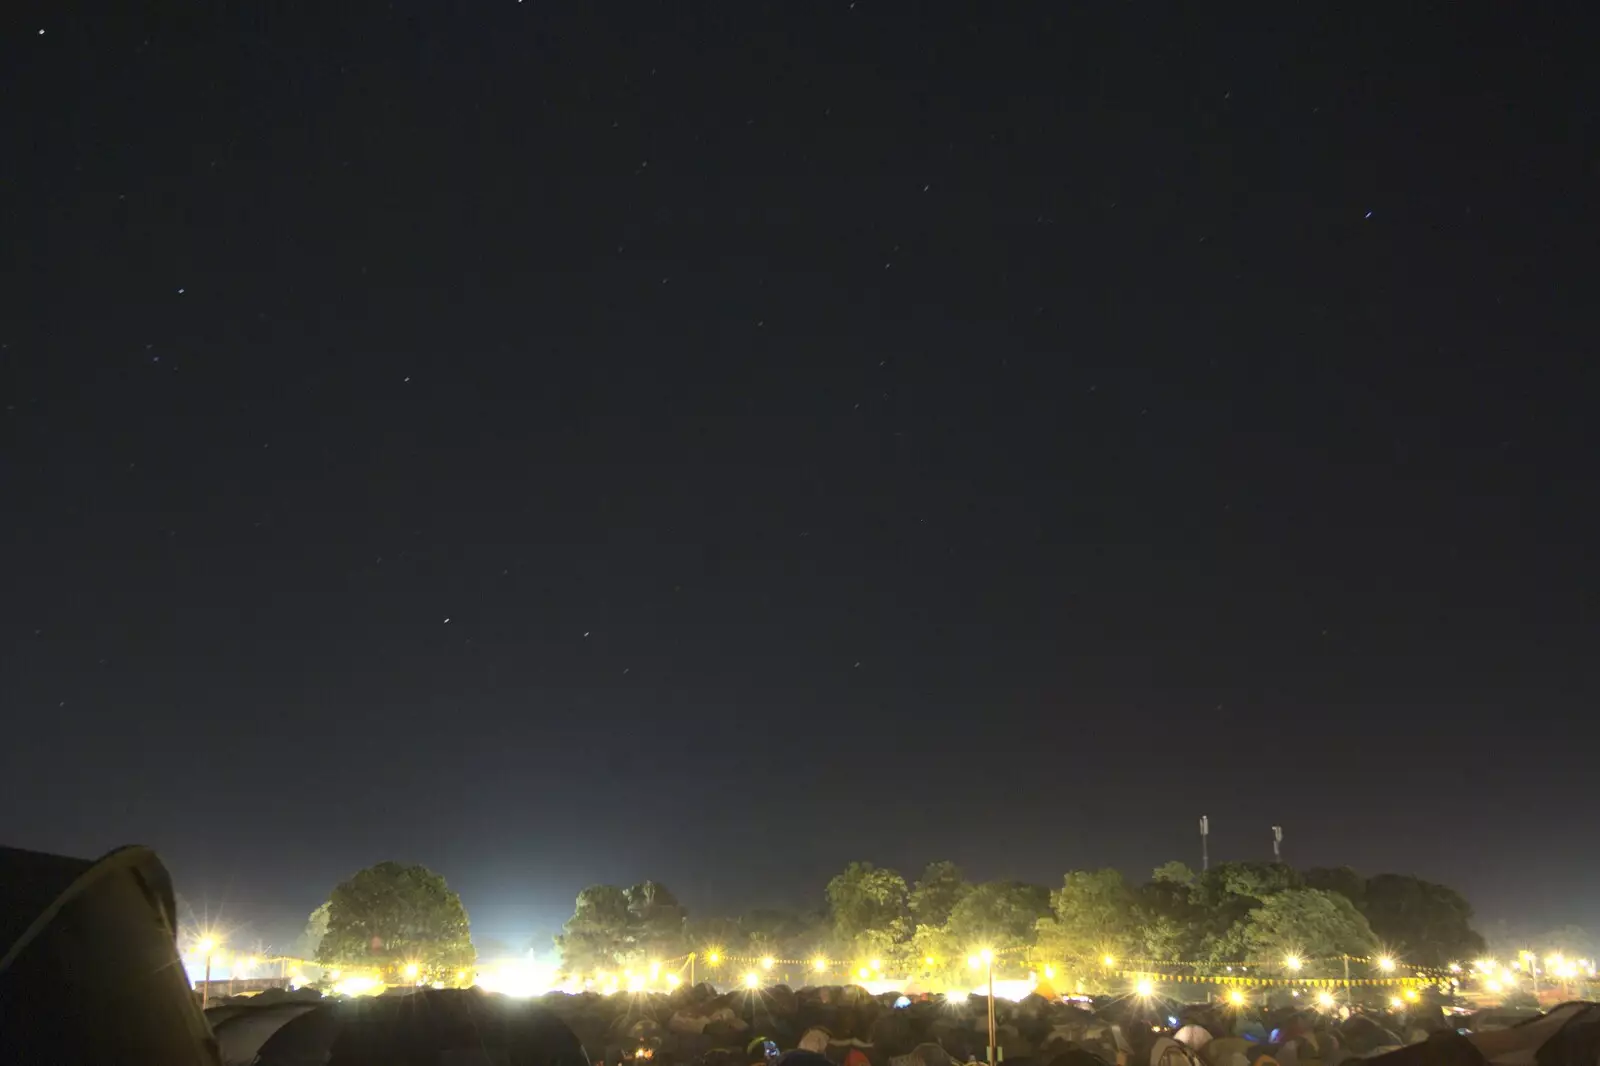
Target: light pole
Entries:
(206, 946)
(988, 961)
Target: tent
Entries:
(90, 970)
(459, 1027)
(241, 1031)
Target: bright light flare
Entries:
(673, 980)
(986, 955)
(1324, 999)
(522, 978)
(819, 964)
(1293, 962)
(1145, 987)
(768, 963)
(411, 971)
(975, 963)
(1386, 963)
(751, 980)
(1395, 1002)
(1108, 960)
(205, 945)
(1235, 997)
(864, 973)
(359, 985)
(714, 957)
(1049, 971)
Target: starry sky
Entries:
(562, 443)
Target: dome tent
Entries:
(90, 970)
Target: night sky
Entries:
(569, 442)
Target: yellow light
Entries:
(411, 971)
(1049, 971)
(635, 982)
(1487, 965)
(1493, 985)
(876, 964)
(359, 986)
(1108, 960)
(714, 958)
(1144, 987)
(1455, 967)
(927, 960)
(655, 969)
(1324, 999)
(986, 955)
(1292, 962)
(1411, 995)
(335, 974)
(751, 980)
(974, 962)
(768, 962)
(205, 945)
(1386, 964)
(251, 960)
(819, 964)
(461, 975)
(864, 973)
(1235, 997)
(673, 980)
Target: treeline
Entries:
(1261, 912)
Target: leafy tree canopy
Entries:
(390, 915)
(870, 908)
(1306, 922)
(613, 928)
(937, 892)
(1425, 923)
(1000, 915)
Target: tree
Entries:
(657, 921)
(1093, 915)
(869, 909)
(937, 892)
(391, 916)
(316, 928)
(1340, 879)
(1001, 915)
(1307, 922)
(1174, 872)
(1426, 923)
(597, 936)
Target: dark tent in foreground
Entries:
(90, 970)
(461, 1027)
(241, 1030)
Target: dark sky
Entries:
(714, 442)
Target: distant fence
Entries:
(238, 985)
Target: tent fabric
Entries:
(444, 1027)
(241, 1032)
(1165, 1051)
(90, 969)
(1195, 1036)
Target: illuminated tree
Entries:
(937, 892)
(1001, 915)
(1093, 916)
(316, 928)
(1306, 922)
(598, 936)
(870, 909)
(391, 915)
